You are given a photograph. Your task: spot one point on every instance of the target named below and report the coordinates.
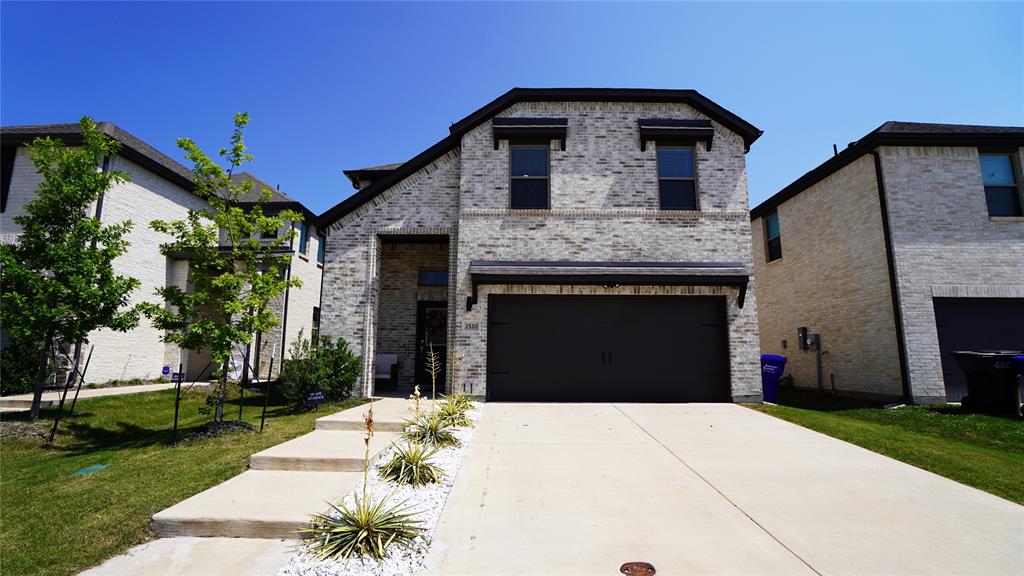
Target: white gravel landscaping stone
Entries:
(427, 500)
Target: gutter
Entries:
(893, 287)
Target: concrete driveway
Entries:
(705, 489)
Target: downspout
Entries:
(893, 287)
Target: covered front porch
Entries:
(412, 313)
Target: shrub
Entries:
(412, 464)
(452, 411)
(365, 529)
(19, 366)
(329, 366)
(430, 430)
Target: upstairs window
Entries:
(1001, 191)
(529, 177)
(303, 237)
(677, 182)
(773, 237)
(321, 243)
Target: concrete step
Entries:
(21, 403)
(256, 504)
(187, 556)
(389, 415)
(322, 451)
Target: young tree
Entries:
(58, 281)
(237, 262)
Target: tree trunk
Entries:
(222, 390)
(37, 390)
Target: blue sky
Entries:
(335, 86)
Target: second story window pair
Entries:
(530, 181)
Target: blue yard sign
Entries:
(166, 369)
(315, 397)
(178, 377)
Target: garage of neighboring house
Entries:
(607, 348)
(975, 324)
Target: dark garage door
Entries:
(607, 348)
(975, 324)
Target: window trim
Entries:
(529, 144)
(696, 187)
(321, 249)
(768, 238)
(1015, 170)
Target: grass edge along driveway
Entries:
(986, 452)
(53, 523)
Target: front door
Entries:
(431, 334)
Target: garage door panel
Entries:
(975, 324)
(595, 348)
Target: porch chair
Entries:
(385, 371)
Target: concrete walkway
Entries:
(248, 524)
(24, 401)
(705, 489)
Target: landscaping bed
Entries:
(56, 523)
(428, 501)
(986, 452)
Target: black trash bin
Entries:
(992, 384)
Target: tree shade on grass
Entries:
(54, 523)
(986, 452)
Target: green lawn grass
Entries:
(986, 452)
(53, 523)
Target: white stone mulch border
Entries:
(427, 500)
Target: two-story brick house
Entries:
(558, 244)
(903, 247)
(159, 188)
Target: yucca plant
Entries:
(430, 429)
(453, 413)
(411, 464)
(464, 402)
(366, 528)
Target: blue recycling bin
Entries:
(772, 367)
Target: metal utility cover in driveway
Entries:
(607, 348)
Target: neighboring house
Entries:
(558, 244)
(160, 188)
(903, 247)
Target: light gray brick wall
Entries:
(24, 181)
(604, 198)
(944, 243)
(426, 203)
(832, 278)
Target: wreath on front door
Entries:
(435, 321)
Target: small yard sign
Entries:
(178, 377)
(166, 369)
(315, 397)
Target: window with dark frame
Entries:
(433, 278)
(303, 237)
(315, 331)
(1002, 193)
(677, 180)
(6, 169)
(773, 236)
(529, 177)
(321, 244)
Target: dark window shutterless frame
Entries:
(677, 177)
(999, 175)
(529, 182)
(773, 237)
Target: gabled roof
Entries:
(131, 147)
(144, 155)
(699, 102)
(278, 199)
(896, 134)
